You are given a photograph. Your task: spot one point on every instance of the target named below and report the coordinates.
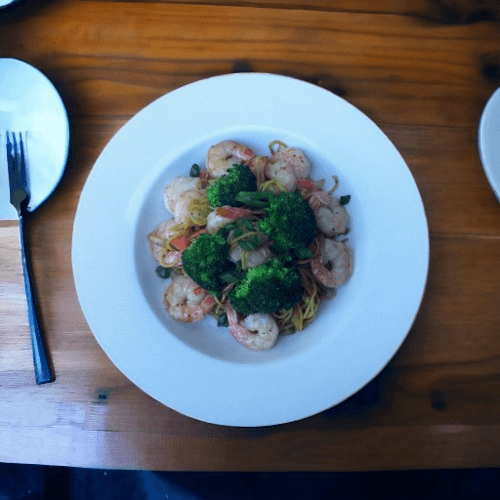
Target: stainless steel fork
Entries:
(19, 197)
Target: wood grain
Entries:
(450, 11)
(367, 449)
(444, 375)
(409, 66)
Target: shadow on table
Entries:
(21, 9)
(19, 482)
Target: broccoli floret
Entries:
(290, 222)
(205, 259)
(267, 288)
(224, 190)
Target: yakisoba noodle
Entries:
(327, 265)
(304, 311)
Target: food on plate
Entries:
(266, 288)
(205, 261)
(254, 241)
(238, 178)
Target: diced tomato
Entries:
(307, 183)
(184, 240)
(181, 242)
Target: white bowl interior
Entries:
(205, 336)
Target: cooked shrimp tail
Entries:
(224, 155)
(333, 266)
(331, 216)
(257, 332)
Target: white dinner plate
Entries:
(489, 141)
(199, 369)
(6, 3)
(30, 104)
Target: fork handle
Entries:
(43, 372)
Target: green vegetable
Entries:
(222, 320)
(239, 227)
(225, 189)
(290, 222)
(260, 199)
(252, 243)
(303, 253)
(267, 288)
(245, 232)
(344, 200)
(231, 276)
(163, 272)
(205, 259)
(195, 170)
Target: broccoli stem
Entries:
(255, 199)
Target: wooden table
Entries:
(421, 71)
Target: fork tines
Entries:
(13, 145)
(18, 175)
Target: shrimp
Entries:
(172, 191)
(171, 259)
(186, 301)
(283, 173)
(288, 166)
(223, 155)
(257, 332)
(224, 215)
(182, 212)
(158, 237)
(252, 257)
(295, 159)
(337, 255)
(331, 216)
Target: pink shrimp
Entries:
(331, 216)
(186, 301)
(183, 212)
(339, 256)
(294, 158)
(288, 166)
(158, 237)
(257, 332)
(282, 172)
(223, 155)
(171, 259)
(173, 190)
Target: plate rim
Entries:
(62, 109)
(395, 346)
(492, 103)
